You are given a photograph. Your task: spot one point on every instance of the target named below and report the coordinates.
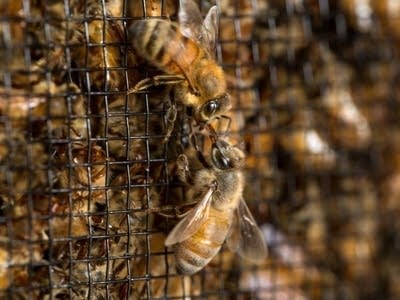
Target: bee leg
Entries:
(182, 215)
(174, 211)
(200, 155)
(155, 81)
(195, 144)
(170, 120)
(174, 215)
(183, 172)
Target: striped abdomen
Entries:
(162, 44)
(196, 252)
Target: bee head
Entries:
(213, 108)
(225, 156)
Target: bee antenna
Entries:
(213, 133)
(200, 155)
(202, 159)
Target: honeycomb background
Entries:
(83, 166)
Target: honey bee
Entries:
(343, 111)
(185, 54)
(221, 214)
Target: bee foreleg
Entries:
(199, 152)
(156, 81)
(174, 215)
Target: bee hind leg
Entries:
(170, 119)
(175, 215)
(156, 81)
(182, 169)
(173, 211)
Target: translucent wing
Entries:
(177, 46)
(209, 31)
(190, 19)
(192, 222)
(192, 25)
(245, 237)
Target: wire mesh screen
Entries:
(90, 165)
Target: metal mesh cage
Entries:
(88, 170)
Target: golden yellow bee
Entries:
(220, 214)
(185, 53)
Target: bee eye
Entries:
(220, 160)
(210, 108)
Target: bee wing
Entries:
(190, 19)
(245, 237)
(192, 25)
(190, 224)
(209, 32)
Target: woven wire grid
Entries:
(84, 169)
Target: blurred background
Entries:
(84, 167)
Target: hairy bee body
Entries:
(195, 253)
(221, 214)
(156, 40)
(162, 44)
(184, 52)
(230, 185)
